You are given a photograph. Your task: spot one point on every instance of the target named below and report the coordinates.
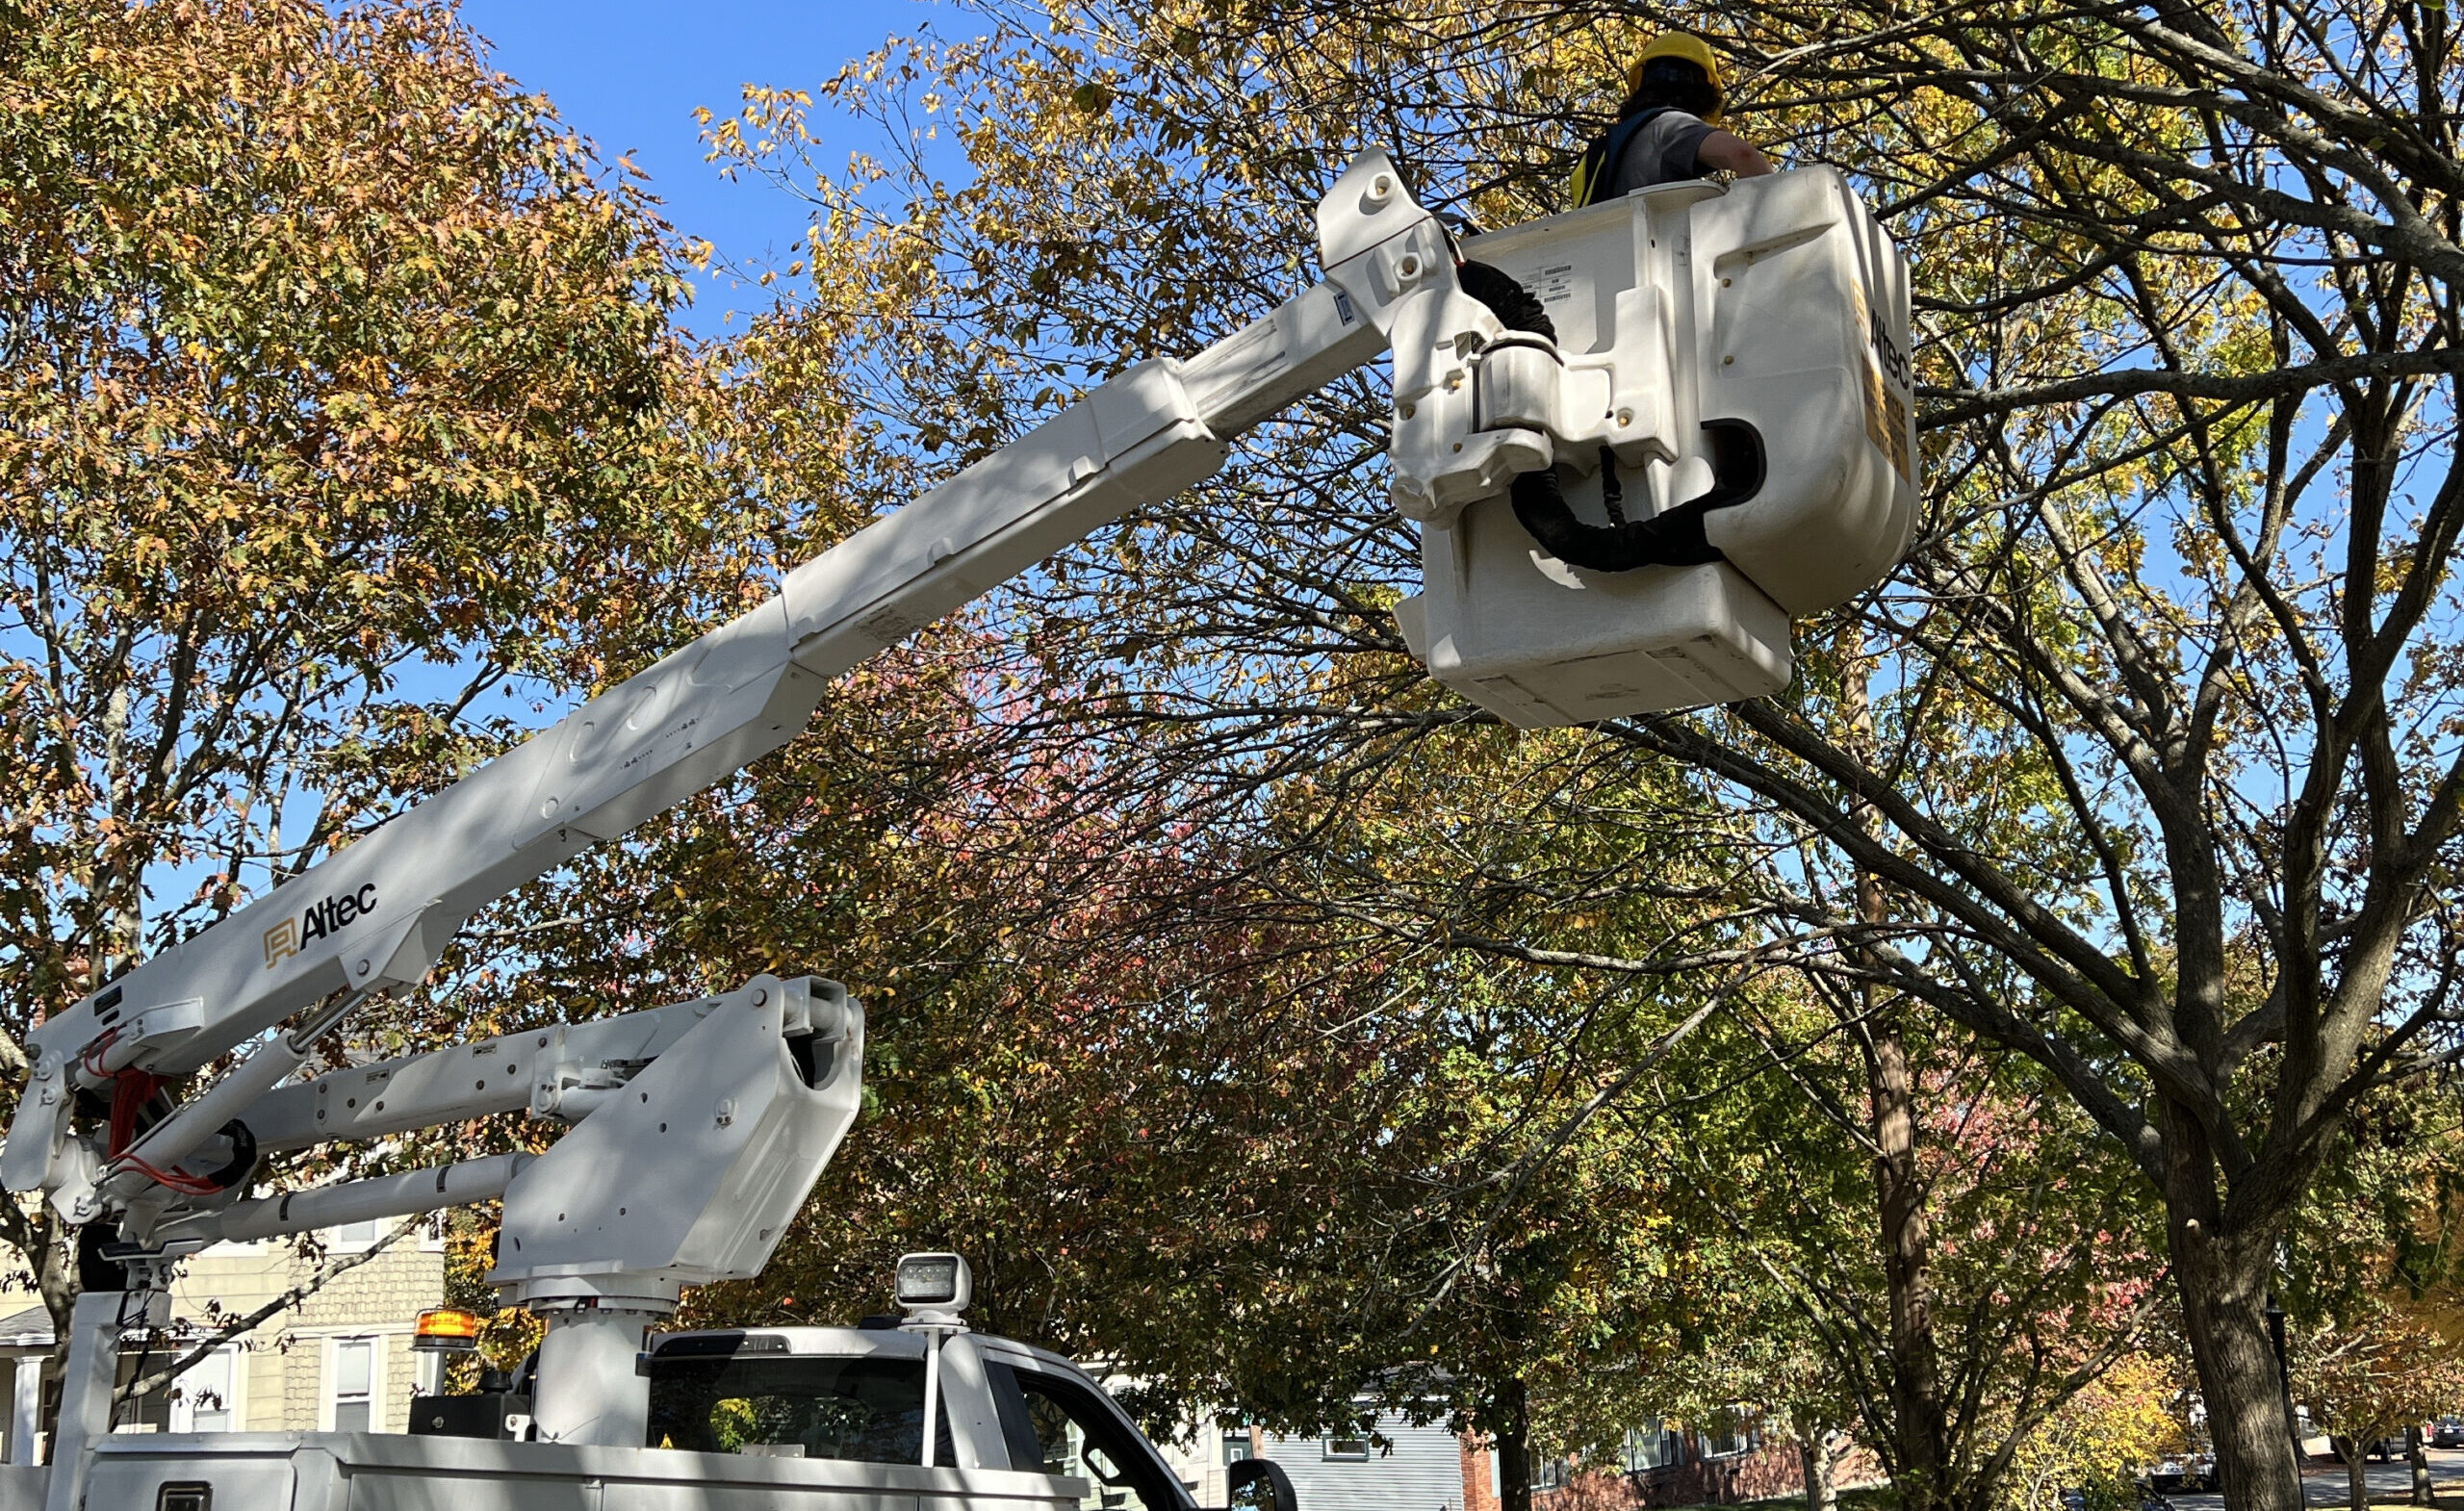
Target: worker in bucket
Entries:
(1669, 127)
(1667, 131)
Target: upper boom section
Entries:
(376, 915)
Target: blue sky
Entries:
(629, 73)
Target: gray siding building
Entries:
(1418, 1469)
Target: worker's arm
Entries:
(1729, 153)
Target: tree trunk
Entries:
(2417, 1454)
(2355, 1454)
(1813, 1449)
(2222, 1277)
(59, 1277)
(1920, 1425)
(1512, 1429)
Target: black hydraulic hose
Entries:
(1514, 305)
(243, 1156)
(1671, 538)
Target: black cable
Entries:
(243, 1156)
(1671, 538)
(1674, 537)
(144, 1349)
(1515, 306)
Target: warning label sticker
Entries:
(1886, 421)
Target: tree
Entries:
(2370, 1380)
(2101, 1440)
(1726, 1338)
(2156, 792)
(1197, 1154)
(2037, 1276)
(2371, 1274)
(334, 382)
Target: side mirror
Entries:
(1258, 1484)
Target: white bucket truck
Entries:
(1733, 360)
(923, 1416)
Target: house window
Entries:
(1236, 1446)
(1347, 1448)
(150, 1412)
(352, 1377)
(1726, 1441)
(1551, 1475)
(1649, 1448)
(202, 1397)
(357, 1235)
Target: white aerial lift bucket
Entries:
(1748, 344)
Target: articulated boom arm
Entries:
(697, 1130)
(376, 915)
(1730, 365)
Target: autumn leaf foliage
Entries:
(335, 387)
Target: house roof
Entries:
(30, 1328)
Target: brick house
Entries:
(1666, 1466)
(341, 1360)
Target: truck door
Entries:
(1057, 1424)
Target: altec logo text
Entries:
(290, 937)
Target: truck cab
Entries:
(915, 1415)
(856, 1396)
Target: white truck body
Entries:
(989, 1469)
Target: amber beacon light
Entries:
(445, 1330)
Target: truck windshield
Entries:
(865, 1411)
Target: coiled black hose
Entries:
(1514, 305)
(1671, 538)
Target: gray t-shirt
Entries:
(1661, 152)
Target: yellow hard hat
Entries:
(1675, 44)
